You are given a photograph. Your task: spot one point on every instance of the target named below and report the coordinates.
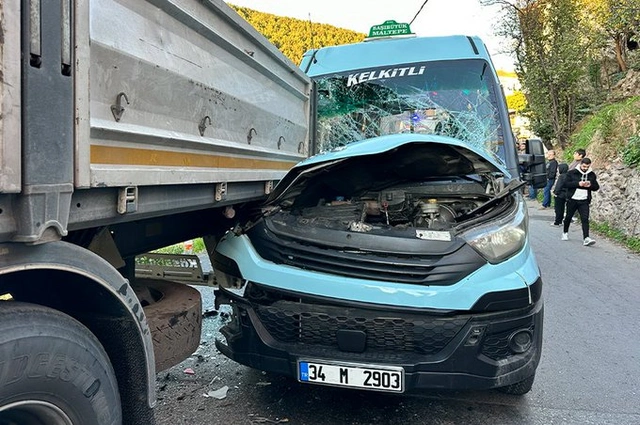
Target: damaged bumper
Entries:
(272, 330)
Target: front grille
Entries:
(420, 269)
(313, 325)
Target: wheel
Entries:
(174, 315)
(53, 370)
(519, 388)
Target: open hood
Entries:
(381, 162)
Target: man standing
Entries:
(552, 169)
(577, 157)
(580, 182)
(560, 194)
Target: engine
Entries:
(405, 209)
(391, 208)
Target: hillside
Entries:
(610, 134)
(294, 36)
(611, 137)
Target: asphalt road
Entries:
(589, 373)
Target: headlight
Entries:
(498, 240)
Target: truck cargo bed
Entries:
(175, 105)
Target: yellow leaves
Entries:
(294, 36)
(516, 101)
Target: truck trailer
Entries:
(125, 126)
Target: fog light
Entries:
(520, 341)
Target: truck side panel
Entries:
(201, 98)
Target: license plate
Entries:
(371, 377)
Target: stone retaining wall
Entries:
(618, 200)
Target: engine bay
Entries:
(420, 206)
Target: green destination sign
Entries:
(390, 28)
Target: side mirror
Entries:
(533, 164)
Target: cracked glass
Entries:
(455, 98)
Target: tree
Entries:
(617, 20)
(549, 48)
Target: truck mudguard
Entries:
(74, 260)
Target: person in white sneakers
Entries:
(580, 182)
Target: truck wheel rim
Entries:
(33, 412)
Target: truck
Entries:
(125, 126)
(398, 258)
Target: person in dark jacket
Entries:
(560, 193)
(552, 169)
(580, 183)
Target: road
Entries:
(589, 373)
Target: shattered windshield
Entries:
(449, 98)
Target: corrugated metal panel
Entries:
(202, 98)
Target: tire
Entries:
(519, 388)
(53, 370)
(174, 315)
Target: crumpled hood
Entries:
(386, 160)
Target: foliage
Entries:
(631, 152)
(562, 49)
(615, 124)
(293, 36)
(614, 21)
(517, 101)
(606, 229)
(634, 58)
(547, 42)
(198, 247)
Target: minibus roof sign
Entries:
(389, 29)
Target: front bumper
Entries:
(271, 330)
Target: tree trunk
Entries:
(555, 113)
(622, 65)
(569, 129)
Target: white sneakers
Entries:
(587, 241)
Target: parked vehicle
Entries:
(398, 258)
(125, 126)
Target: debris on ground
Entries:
(253, 419)
(189, 371)
(219, 394)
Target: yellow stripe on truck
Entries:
(151, 157)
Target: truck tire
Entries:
(519, 388)
(174, 316)
(53, 370)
